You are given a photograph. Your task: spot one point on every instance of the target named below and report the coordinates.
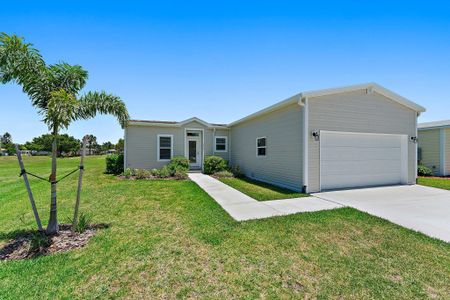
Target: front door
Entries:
(194, 152)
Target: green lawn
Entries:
(169, 239)
(259, 190)
(441, 183)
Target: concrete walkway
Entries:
(242, 207)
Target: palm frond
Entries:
(19, 61)
(93, 103)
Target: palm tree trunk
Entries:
(52, 227)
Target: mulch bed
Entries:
(65, 240)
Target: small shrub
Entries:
(178, 163)
(237, 172)
(164, 172)
(180, 175)
(424, 171)
(38, 242)
(114, 164)
(224, 174)
(214, 164)
(84, 221)
(128, 173)
(155, 172)
(142, 174)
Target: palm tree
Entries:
(54, 91)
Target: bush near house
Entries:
(424, 171)
(214, 164)
(176, 169)
(178, 163)
(114, 164)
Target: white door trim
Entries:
(202, 146)
(404, 151)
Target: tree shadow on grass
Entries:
(25, 244)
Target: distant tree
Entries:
(66, 144)
(6, 142)
(91, 144)
(6, 138)
(120, 145)
(106, 146)
(54, 91)
(41, 143)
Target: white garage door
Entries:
(350, 159)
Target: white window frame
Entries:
(158, 147)
(258, 138)
(215, 143)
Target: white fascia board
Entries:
(372, 87)
(276, 106)
(180, 124)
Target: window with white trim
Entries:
(165, 147)
(261, 146)
(220, 144)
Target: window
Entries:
(220, 143)
(165, 147)
(261, 146)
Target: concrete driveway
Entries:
(416, 207)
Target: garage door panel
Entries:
(360, 159)
(345, 154)
(357, 140)
(340, 182)
(361, 167)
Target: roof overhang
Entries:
(174, 124)
(369, 87)
(434, 125)
(300, 98)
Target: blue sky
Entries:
(221, 60)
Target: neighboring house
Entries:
(363, 135)
(3, 152)
(25, 152)
(111, 151)
(434, 146)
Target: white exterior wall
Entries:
(358, 112)
(283, 130)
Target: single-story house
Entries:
(362, 135)
(434, 146)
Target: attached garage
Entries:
(349, 159)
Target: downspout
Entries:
(303, 102)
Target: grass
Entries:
(259, 190)
(441, 183)
(169, 239)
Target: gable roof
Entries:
(432, 125)
(174, 123)
(298, 98)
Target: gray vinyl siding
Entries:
(283, 164)
(141, 143)
(429, 143)
(358, 112)
(447, 151)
